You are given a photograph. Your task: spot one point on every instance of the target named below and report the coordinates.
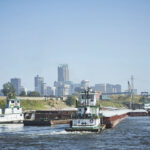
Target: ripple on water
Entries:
(132, 133)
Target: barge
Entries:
(48, 117)
(113, 117)
(138, 112)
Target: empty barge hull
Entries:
(113, 117)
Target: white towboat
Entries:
(147, 107)
(12, 113)
(87, 117)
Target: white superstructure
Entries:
(12, 113)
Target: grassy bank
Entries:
(42, 104)
(120, 101)
(111, 104)
(115, 101)
(38, 104)
(32, 104)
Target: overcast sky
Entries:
(104, 41)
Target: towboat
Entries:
(87, 117)
(12, 113)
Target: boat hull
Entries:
(82, 129)
(12, 122)
(111, 122)
(88, 129)
(11, 118)
(85, 125)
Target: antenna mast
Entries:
(129, 90)
(132, 90)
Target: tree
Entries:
(11, 95)
(34, 94)
(23, 93)
(8, 89)
(71, 100)
(76, 94)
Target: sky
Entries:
(103, 41)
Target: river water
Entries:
(133, 133)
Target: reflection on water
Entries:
(132, 133)
(11, 128)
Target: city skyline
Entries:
(64, 87)
(63, 80)
(42, 81)
(103, 42)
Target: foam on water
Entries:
(65, 132)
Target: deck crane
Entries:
(130, 89)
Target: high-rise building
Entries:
(117, 88)
(39, 83)
(16, 82)
(63, 73)
(63, 88)
(100, 87)
(66, 89)
(59, 88)
(44, 90)
(51, 91)
(109, 88)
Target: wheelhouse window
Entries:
(83, 97)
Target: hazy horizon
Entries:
(101, 41)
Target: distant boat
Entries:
(147, 107)
(12, 113)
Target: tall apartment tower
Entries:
(16, 82)
(38, 83)
(63, 73)
(100, 87)
(109, 88)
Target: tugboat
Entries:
(87, 117)
(12, 113)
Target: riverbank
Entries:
(120, 101)
(40, 103)
(34, 104)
